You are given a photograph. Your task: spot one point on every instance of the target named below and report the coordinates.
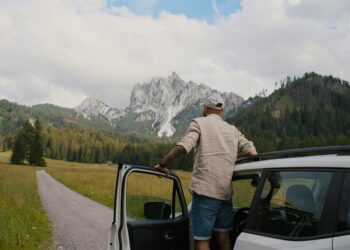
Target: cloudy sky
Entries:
(60, 51)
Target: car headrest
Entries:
(300, 197)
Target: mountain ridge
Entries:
(158, 102)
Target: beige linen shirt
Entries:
(216, 146)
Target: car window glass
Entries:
(291, 203)
(243, 191)
(145, 188)
(344, 209)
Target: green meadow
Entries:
(97, 181)
(23, 222)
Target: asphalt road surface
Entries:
(77, 222)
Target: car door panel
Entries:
(133, 233)
(343, 223)
(341, 243)
(159, 235)
(247, 241)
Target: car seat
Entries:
(300, 209)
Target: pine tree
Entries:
(36, 149)
(28, 137)
(29, 145)
(19, 149)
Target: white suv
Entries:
(282, 200)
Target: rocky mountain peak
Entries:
(166, 97)
(93, 106)
(159, 92)
(158, 102)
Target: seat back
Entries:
(299, 197)
(300, 208)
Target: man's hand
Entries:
(165, 170)
(173, 154)
(252, 152)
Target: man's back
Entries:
(216, 144)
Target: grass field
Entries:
(97, 181)
(23, 222)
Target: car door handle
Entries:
(169, 236)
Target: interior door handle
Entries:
(169, 236)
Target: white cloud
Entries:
(36, 89)
(332, 11)
(61, 50)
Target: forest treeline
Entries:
(89, 146)
(93, 146)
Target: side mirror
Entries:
(254, 181)
(157, 210)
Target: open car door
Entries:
(150, 211)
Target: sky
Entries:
(61, 51)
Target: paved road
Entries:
(77, 222)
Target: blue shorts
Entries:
(208, 215)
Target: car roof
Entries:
(321, 161)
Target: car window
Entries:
(291, 203)
(243, 190)
(344, 209)
(145, 188)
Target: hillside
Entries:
(309, 111)
(12, 115)
(71, 137)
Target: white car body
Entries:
(314, 224)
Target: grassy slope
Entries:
(96, 181)
(23, 222)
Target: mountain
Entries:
(312, 110)
(164, 106)
(93, 107)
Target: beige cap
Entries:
(218, 105)
(214, 102)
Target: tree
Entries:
(28, 137)
(19, 149)
(29, 145)
(36, 149)
(22, 143)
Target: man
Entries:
(216, 146)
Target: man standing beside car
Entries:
(216, 145)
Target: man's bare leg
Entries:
(224, 241)
(202, 245)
